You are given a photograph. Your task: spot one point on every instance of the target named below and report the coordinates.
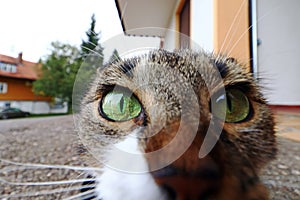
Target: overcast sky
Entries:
(30, 26)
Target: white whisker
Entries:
(52, 166)
(232, 36)
(45, 192)
(239, 39)
(232, 25)
(87, 194)
(92, 32)
(95, 47)
(93, 51)
(124, 10)
(92, 44)
(116, 57)
(247, 130)
(45, 183)
(243, 34)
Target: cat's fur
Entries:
(231, 168)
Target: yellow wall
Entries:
(231, 29)
(19, 89)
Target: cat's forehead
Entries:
(161, 67)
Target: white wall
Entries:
(201, 27)
(129, 45)
(171, 34)
(278, 54)
(278, 29)
(202, 24)
(35, 107)
(62, 108)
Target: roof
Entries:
(25, 69)
(137, 15)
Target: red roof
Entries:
(25, 69)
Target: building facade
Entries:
(16, 79)
(263, 34)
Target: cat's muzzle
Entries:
(197, 184)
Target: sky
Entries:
(30, 26)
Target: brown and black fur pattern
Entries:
(231, 170)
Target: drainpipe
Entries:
(254, 39)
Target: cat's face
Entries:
(198, 123)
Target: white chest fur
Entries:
(116, 185)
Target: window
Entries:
(3, 88)
(7, 67)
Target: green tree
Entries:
(67, 63)
(59, 71)
(115, 56)
(91, 59)
(91, 45)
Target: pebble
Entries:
(52, 142)
(280, 166)
(295, 172)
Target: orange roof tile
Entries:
(25, 69)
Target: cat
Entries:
(176, 125)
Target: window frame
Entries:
(3, 88)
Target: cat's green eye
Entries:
(234, 108)
(120, 106)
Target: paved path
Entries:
(51, 140)
(48, 140)
(288, 125)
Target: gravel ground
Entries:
(52, 141)
(48, 140)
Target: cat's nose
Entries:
(180, 187)
(187, 186)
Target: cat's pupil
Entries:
(229, 103)
(122, 104)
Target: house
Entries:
(16, 78)
(262, 34)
